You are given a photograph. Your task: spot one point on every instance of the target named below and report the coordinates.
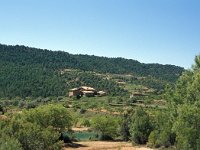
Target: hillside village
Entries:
(85, 91)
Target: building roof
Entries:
(87, 88)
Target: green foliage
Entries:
(56, 116)
(150, 82)
(32, 104)
(140, 127)
(162, 134)
(29, 136)
(125, 127)
(29, 80)
(196, 66)
(85, 122)
(9, 143)
(34, 72)
(105, 125)
(187, 127)
(85, 135)
(32, 136)
(22, 104)
(79, 78)
(38, 128)
(122, 66)
(184, 108)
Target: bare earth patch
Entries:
(80, 129)
(101, 145)
(3, 117)
(103, 111)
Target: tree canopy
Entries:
(179, 124)
(38, 128)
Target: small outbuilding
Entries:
(74, 92)
(101, 93)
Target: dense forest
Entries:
(35, 72)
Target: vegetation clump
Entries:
(38, 128)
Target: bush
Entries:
(38, 128)
(85, 122)
(162, 134)
(107, 126)
(56, 116)
(140, 126)
(22, 104)
(59, 98)
(9, 143)
(32, 104)
(125, 127)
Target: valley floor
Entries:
(103, 145)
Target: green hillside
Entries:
(36, 72)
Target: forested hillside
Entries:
(136, 108)
(58, 59)
(35, 72)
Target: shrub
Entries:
(140, 126)
(9, 143)
(106, 125)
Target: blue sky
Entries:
(150, 31)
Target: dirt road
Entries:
(99, 145)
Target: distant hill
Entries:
(27, 71)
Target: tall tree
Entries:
(140, 126)
(184, 104)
